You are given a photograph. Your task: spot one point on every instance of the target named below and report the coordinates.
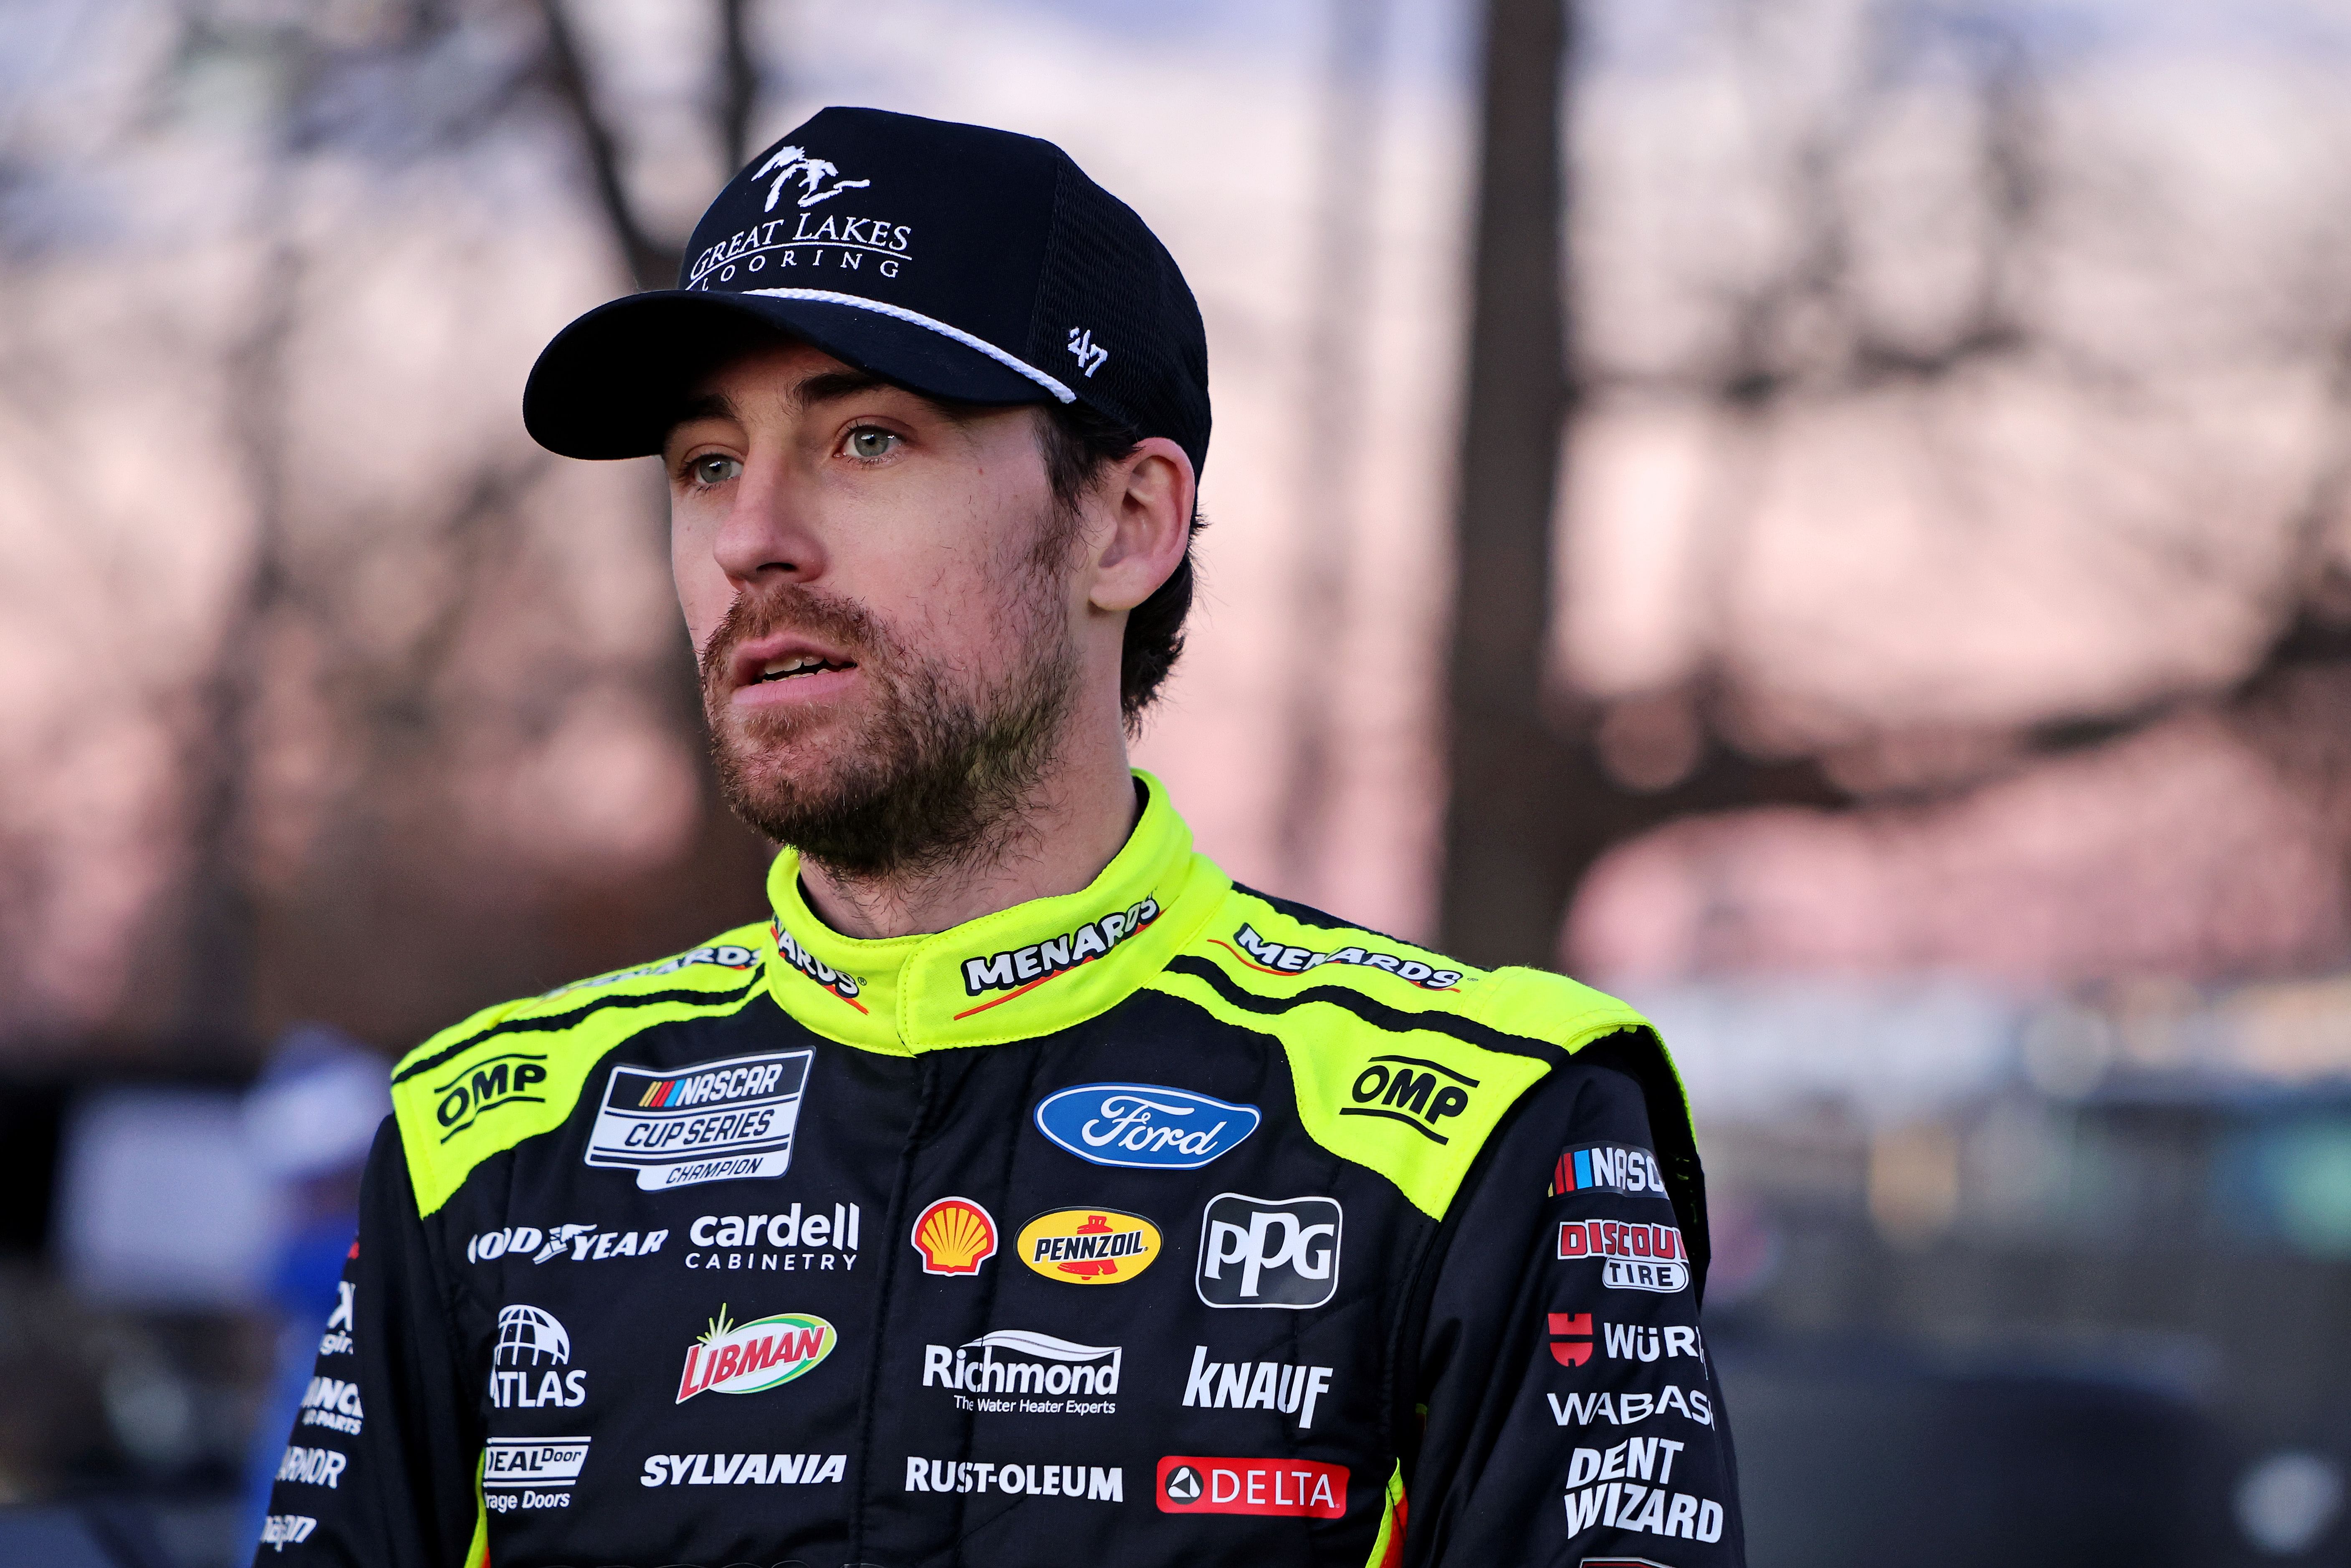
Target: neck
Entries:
(1056, 842)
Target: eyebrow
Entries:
(825, 386)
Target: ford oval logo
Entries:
(1148, 1126)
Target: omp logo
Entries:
(1145, 1126)
(1020, 969)
(1634, 1256)
(789, 163)
(1280, 958)
(506, 1079)
(280, 1530)
(1269, 1252)
(1411, 1090)
(1089, 1246)
(332, 1403)
(840, 984)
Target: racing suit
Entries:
(1162, 1222)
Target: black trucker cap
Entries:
(968, 264)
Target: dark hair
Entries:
(1079, 443)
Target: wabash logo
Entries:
(506, 1079)
(1633, 1257)
(1407, 1089)
(1194, 1483)
(1269, 1252)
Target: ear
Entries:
(1142, 517)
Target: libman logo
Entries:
(1283, 958)
(1018, 968)
(718, 1121)
(1633, 1256)
(745, 1358)
(509, 1078)
(1089, 1246)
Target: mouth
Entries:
(797, 667)
(788, 666)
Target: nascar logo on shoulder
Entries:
(719, 1120)
(1147, 1126)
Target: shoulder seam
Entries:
(571, 1018)
(1379, 1015)
(1320, 920)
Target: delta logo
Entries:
(747, 1358)
(955, 1236)
(1089, 1246)
(1194, 1483)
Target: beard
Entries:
(937, 771)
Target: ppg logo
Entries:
(1269, 1252)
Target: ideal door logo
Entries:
(1269, 1252)
(716, 1121)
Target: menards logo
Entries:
(744, 1358)
(1018, 969)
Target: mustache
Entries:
(791, 607)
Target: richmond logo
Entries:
(1020, 968)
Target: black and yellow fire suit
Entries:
(1160, 1223)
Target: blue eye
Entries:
(714, 469)
(870, 443)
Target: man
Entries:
(1019, 1190)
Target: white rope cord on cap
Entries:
(882, 308)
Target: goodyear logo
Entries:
(1089, 1246)
(507, 1079)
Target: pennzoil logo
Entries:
(1089, 1246)
(506, 1079)
(747, 1358)
(955, 1236)
(1018, 968)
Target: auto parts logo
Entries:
(955, 1236)
(1144, 1126)
(719, 1121)
(1269, 1252)
(747, 1358)
(1089, 1246)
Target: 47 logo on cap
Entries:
(955, 1236)
(1269, 1252)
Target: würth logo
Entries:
(1571, 1342)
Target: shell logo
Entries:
(1089, 1246)
(955, 1236)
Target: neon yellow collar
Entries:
(1021, 972)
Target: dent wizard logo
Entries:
(1147, 1126)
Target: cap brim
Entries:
(613, 382)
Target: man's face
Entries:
(881, 591)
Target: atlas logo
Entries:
(506, 1079)
(1089, 1247)
(1269, 1252)
(1020, 968)
(1255, 1385)
(719, 1122)
(332, 1403)
(1191, 1483)
(1280, 958)
(531, 1343)
(1608, 1167)
(580, 1243)
(1410, 1089)
(1144, 1126)
(747, 1358)
(1633, 1257)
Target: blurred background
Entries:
(1830, 519)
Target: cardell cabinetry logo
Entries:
(1146, 1126)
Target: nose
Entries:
(770, 530)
